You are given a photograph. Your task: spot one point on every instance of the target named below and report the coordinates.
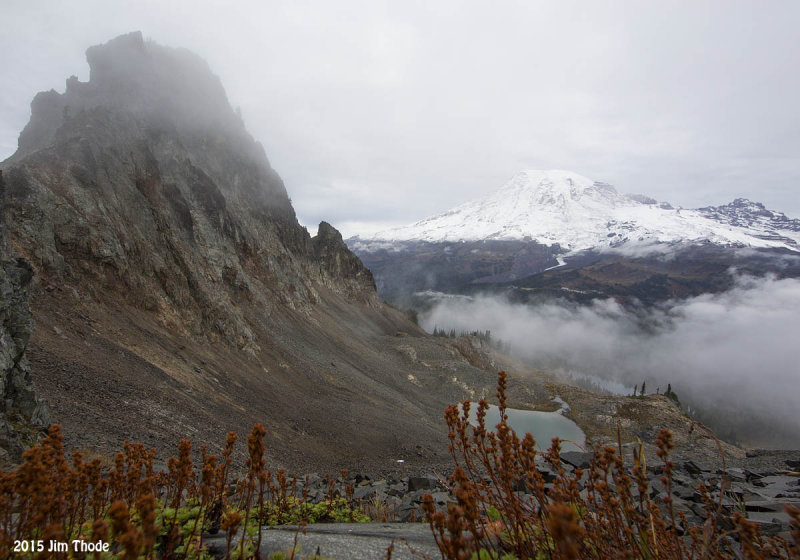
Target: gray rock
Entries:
(408, 513)
(361, 479)
(547, 472)
(367, 492)
(314, 480)
(18, 401)
(380, 486)
(421, 483)
(771, 527)
(657, 487)
(396, 489)
(442, 498)
(693, 520)
(763, 506)
(413, 497)
(577, 459)
(774, 487)
(698, 510)
(752, 476)
(735, 475)
(694, 469)
(678, 478)
(687, 494)
(679, 505)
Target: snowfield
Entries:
(577, 213)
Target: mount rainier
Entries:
(549, 222)
(566, 209)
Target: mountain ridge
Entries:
(564, 209)
(555, 233)
(175, 294)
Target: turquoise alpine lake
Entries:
(543, 426)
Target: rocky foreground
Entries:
(758, 486)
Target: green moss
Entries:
(294, 510)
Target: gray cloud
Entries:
(729, 355)
(392, 111)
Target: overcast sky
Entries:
(378, 113)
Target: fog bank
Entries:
(732, 356)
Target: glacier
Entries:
(557, 207)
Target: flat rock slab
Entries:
(348, 541)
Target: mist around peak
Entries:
(167, 89)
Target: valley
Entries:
(157, 286)
(572, 277)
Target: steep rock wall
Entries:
(22, 415)
(144, 182)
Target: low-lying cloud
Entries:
(731, 356)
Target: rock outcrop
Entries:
(146, 181)
(22, 415)
(339, 264)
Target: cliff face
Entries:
(21, 413)
(175, 294)
(144, 181)
(339, 265)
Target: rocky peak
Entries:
(642, 199)
(144, 183)
(337, 261)
(167, 88)
(555, 188)
(742, 212)
(572, 213)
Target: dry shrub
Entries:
(504, 505)
(140, 512)
(143, 513)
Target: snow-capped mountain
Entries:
(576, 213)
